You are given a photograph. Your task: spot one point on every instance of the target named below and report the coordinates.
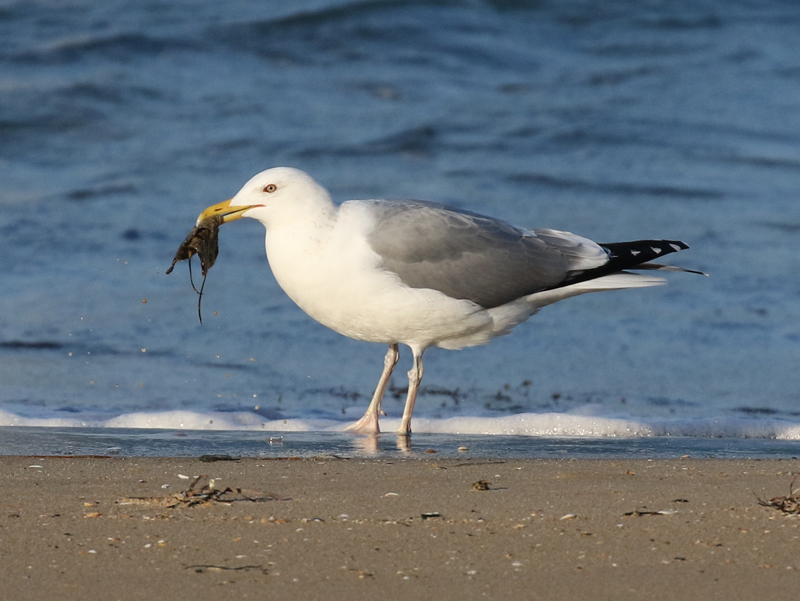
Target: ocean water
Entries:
(620, 120)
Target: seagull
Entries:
(420, 273)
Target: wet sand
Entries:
(101, 529)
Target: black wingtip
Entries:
(627, 255)
(630, 255)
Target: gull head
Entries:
(274, 194)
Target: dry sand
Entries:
(73, 528)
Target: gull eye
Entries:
(270, 188)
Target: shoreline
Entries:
(103, 528)
(135, 442)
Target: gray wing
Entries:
(473, 257)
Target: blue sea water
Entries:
(620, 120)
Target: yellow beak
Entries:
(226, 211)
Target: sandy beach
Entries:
(125, 528)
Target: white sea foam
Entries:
(523, 424)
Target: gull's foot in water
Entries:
(368, 424)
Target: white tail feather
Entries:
(616, 281)
(660, 267)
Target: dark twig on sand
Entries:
(789, 504)
(203, 491)
(200, 568)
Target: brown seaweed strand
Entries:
(199, 292)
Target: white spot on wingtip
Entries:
(636, 252)
(655, 250)
(676, 247)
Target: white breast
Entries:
(331, 272)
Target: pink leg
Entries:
(414, 378)
(369, 423)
